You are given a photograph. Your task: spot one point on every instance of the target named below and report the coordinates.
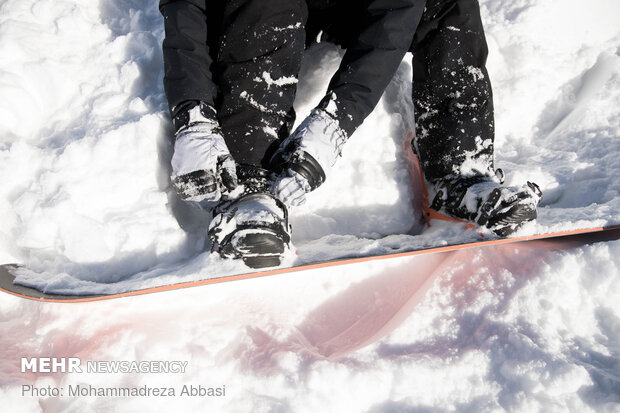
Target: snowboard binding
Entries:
(253, 227)
(485, 201)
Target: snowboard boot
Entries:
(486, 202)
(253, 227)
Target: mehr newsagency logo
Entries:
(75, 365)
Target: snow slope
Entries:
(86, 204)
(520, 328)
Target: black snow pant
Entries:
(257, 47)
(451, 91)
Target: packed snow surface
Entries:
(87, 207)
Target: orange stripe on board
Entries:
(432, 214)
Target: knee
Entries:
(255, 28)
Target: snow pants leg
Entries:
(257, 58)
(451, 91)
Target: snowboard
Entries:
(421, 208)
(580, 236)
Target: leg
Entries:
(258, 57)
(452, 92)
(259, 48)
(454, 121)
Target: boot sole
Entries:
(259, 249)
(262, 262)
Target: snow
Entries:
(87, 206)
(284, 80)
(522, 327)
